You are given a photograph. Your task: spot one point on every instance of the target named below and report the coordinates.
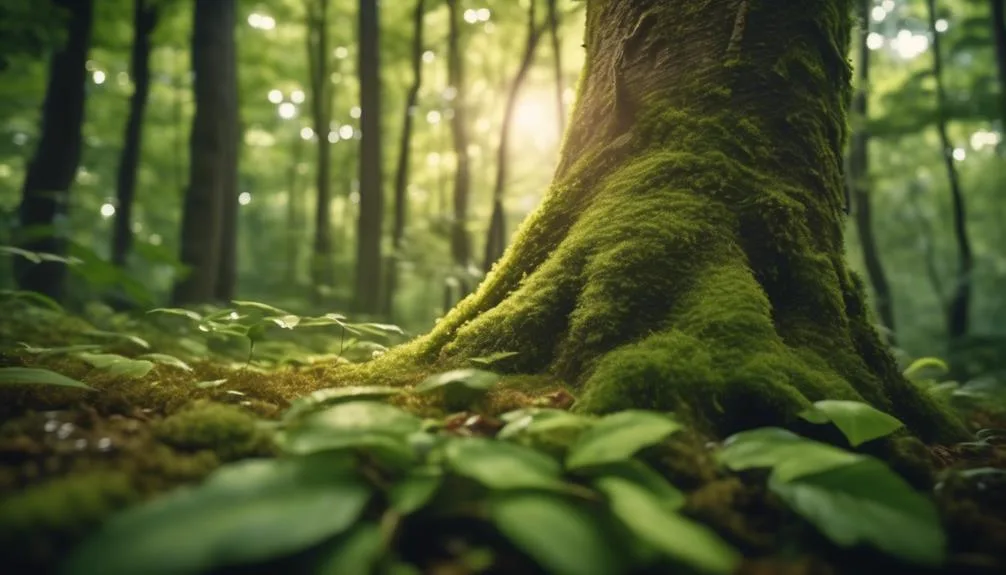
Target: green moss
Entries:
(228, 431)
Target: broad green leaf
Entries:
(34, 296)
(289, 321)
(858, 421)
(136, 340)
(260, 306)
(678, 537)
(166, 359)
(368, 425)
(558, 535)
(37, 376)
(552, 430)
(355, 552)
(118, 365)
(618, 436)
(461, 387)
(245, 512)
(186, 313)
(638, 473)
(378, 328)
(866, 502)
(415, 490)
(47, 351)
(488, 360)
(329, 396)
(502, 465)
(924, 363)
(789, 455)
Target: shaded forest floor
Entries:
(71, 458)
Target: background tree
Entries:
(319, 56)
(51, 172)
(460, 240)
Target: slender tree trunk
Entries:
(460, 241)
(553, 24)
(322, 273)
(228, 271)
(402, 170)
(958, 310)
(999, 34)
(926, 237)
(203, 209)
(859, 178)
(294, 232)
(496, 239)
(369, 264)
(689, 253)
(144, 21)
(53, 167)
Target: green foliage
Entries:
(36, 376)
(118, 365)
(850, 498)
(618, 436)
(460, 388)
(856, 420)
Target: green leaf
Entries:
(502, 465)
(186, 313)
(638, 473)
(789, 455)
(925, 363)
(378, 328)
(37, 376)
(34, 296)
(329, 396)
(260, 306)
(166, 359)
(558, 535)
(47, 351)
(136, 340)
(488, 360)
(461, 387)
(245, 512)
(355, 552)
(375, 427)
(618, 436)
(289, 321)
(551, 430)
(415, 490)
(678, 537)
(858, 421)
(866, 502)
(118, 365)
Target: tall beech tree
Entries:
(404, 156)
(227, 273)
(859, 176)
(320, 94)
(53, 167)
(461, 249)
(144, 20)
(368, 235)
(689, 253)
(209, 148)
(553, 24)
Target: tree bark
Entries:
(689, 253)
(203, 208)
(402, 170)
(496, 237)
(294, 212)
(859, 178)
(369, 265)
(322, 273)
(226, 284)
(144, 21)
(958, 310)
(460, 241)
(53, 167)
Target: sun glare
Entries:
(535, 120)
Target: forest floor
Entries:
(71, 458)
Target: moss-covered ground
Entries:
(70, 458)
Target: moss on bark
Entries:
(689, 254)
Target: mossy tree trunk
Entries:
(689, 254)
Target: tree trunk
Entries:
(496, 237)
(859, 178)
(144, 21)
(999, 34)
(368, 235)
(228, 271)
(402, 170)
(460, 242)
(689, 253)
(294, 212)
(322, 273)
(958, 310)
(553, 24)
(203, 209)
(53, 167)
